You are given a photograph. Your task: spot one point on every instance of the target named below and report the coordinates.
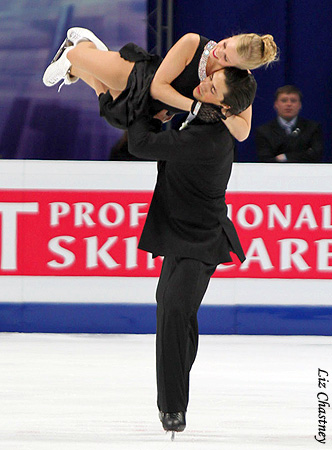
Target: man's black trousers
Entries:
(181, 288)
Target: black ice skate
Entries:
(173, 422)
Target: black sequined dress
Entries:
(135, 98)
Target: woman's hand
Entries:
(225, 112)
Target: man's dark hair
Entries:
(241, 87)
(288, 89)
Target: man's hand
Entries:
(281, 158)
(163, 116)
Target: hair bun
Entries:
(270, 49)
(256, 50)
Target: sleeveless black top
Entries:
(186, 82)
(136, 99)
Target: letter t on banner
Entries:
(9, 213)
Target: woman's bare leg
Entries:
(93, 82)
(107, 67)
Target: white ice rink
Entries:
(86, 392)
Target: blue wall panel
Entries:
(309, 61)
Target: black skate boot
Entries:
(173, 421)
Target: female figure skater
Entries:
(122, 80)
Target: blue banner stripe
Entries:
(141, 319)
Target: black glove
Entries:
(207, 112)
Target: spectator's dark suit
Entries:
(303, 145)
(187, 223)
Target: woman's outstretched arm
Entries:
(174, 63)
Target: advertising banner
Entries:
(95, 233)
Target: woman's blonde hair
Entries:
(256, 50)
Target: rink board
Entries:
(69, 259)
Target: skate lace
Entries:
(59, 88)
(66, 80)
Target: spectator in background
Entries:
(289, 138)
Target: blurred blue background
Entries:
(36, 122)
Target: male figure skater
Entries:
(187, 223)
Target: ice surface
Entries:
(80, 392)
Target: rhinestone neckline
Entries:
(204, 59)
